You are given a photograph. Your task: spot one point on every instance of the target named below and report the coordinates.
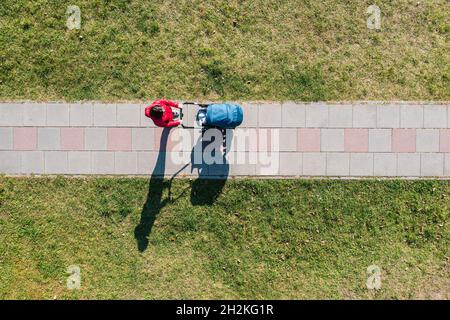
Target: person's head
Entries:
(157, 111)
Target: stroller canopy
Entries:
(224, 115)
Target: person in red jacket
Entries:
(160, 111)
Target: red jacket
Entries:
(167, 119)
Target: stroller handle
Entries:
(181, 118)
(196, 103)
(189, 102)
(200, 105)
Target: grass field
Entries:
(263, 50)
(239, 239)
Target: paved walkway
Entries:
(361, 140)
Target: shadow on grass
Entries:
(154, 202)
(204, 190)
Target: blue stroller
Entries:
(217, 115)
(220, 116)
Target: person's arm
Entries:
(147, 111)
(173, 123)
(170, 103)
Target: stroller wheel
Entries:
(201, 117)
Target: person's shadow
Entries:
(154, 202)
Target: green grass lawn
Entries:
(211, 239)
(265, 50)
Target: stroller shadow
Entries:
(211, 177)
(204, 190)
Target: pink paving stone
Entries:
(24, 138)
(444, 140)
(119, 139)
(404, 140)
(168, 142)
(356, 140)
(308, 140)
(72, 138)
(179, 140)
